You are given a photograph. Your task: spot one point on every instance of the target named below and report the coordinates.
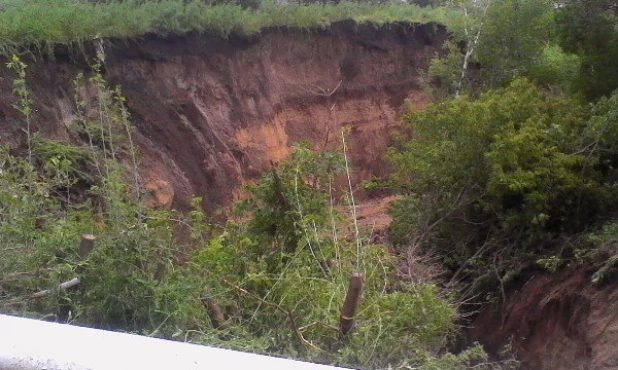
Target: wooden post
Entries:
(86, 245)
(352, 298)
(215, 312)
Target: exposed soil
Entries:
(373, 213)
(212, 113)
(555, 321)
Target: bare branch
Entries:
(45, 293)
(64, 286)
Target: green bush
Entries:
(556, 68)
(51, 192)
(511, 170)
(280, 278)
(588, 29)
(500, 41)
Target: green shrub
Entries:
(60, 190)
(588, 29)
(556, 67)
(511, 171)
(281, 276)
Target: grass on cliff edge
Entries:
(27, 22)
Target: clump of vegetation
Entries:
(588, 30)
(496, 181)
(291, 240)
(60, 191)
(496, 42)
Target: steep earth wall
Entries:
(555, 321)
(213, 112)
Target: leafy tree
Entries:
(556, 69)
(513, 39)
(501, 40)
(468, 27)
(508, 172)
(290, 197)
(588, 28)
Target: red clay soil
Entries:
(555, 321)
(211, 113)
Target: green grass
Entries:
(27, 22)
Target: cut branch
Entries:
(64, 286)
(45, 293)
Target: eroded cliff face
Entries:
(555, 321)
(212, 113)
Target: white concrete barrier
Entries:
(27, 344)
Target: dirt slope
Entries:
(555, 322)
(213, 112)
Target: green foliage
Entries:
(25, 23)
(556, 68)
(67, 190)
(281, 276)
(588, 29)
(551, 264)
(24, 104)
(502, 40)
(602, 251)
(447, 68)
(503, 175)
(571, 47)
(605, 237)
(61, 163)
(291, 195)
(513, 38)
